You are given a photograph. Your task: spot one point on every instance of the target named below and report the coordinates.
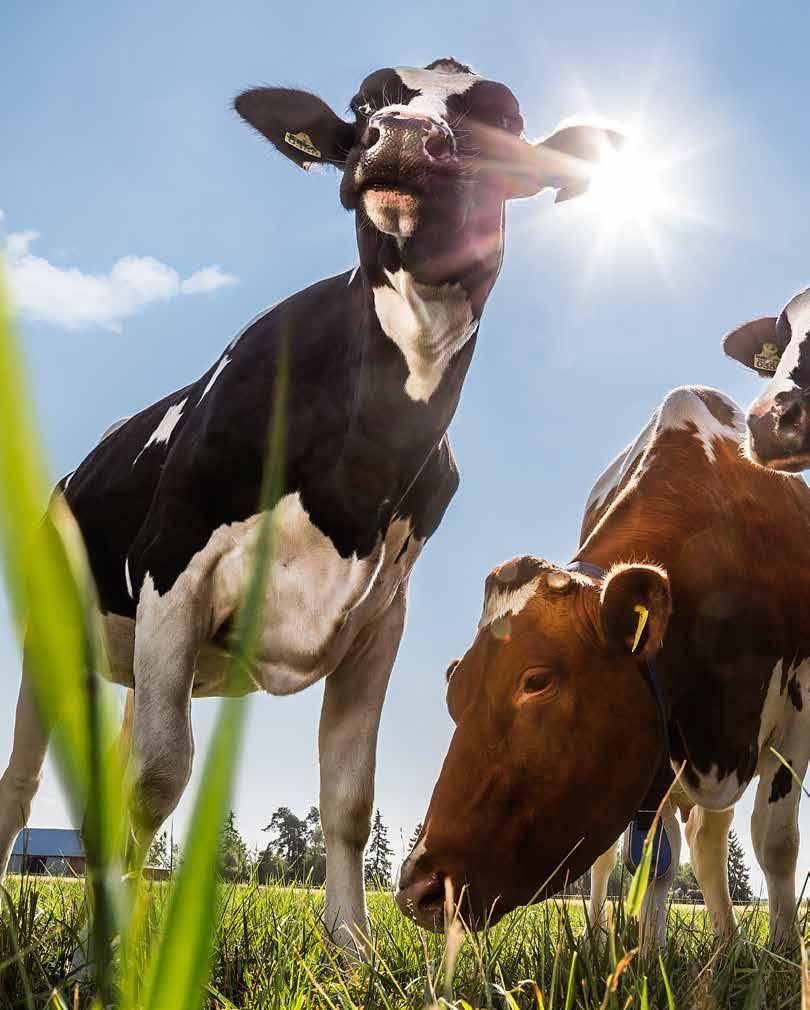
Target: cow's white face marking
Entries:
(797, 311)
(428, 324)
(684, 408)
(224, 360)
(435, 88)
(164, 430)
(506, 602)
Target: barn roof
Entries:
(65, 842)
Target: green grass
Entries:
(269, 952)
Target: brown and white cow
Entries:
(778, 348)
(557, 730)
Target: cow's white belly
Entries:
(316, 601)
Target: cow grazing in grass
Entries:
(778, 348)
(557, 728)
(376, 358)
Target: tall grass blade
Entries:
(56, 617)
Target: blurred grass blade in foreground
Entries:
(56, 618)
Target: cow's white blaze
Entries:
(429, 325)
(164, 430)
(505, 602)
(798, 313)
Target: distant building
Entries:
(57, 851)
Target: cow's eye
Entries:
(535, 681)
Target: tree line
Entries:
(295, 852)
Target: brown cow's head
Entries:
(778, 348)
(557, 738)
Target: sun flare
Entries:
(629, 185)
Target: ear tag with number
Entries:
(303, 142)
(768, 358)
(643, 614)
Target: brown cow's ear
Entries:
(635, 607)
(758, 345)
(298, 124)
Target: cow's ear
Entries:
(565, 160)
(757, 345)
(298, 124)
(635, 606)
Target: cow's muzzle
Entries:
(421, 897)
(779, 431)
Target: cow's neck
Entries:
(738, 569)
(424, 297)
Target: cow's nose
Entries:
(437, 140)
(792, 421)
(421, 897)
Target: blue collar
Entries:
(650, 671)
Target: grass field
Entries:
(269, 951)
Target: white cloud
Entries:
(70, 298)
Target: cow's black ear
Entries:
(298, 124)
(757, 345)
(565, 161)
(635, 607)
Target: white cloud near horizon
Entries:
(69, 298)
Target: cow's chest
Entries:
(316, 601)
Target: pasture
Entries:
(268, 952)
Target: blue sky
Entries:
(120, 143)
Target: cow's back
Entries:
(110, 492)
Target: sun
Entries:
(628, 186)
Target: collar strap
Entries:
(650, 670)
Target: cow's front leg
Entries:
(350, 717)
(707, 836)
(169, 631)
(775, 829)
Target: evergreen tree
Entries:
(289, 846)
(315, 858)
(379, 853)
(739, 885)
(417, 831)
(234, 856)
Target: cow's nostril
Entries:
(439, 143)
(370, 137)
(432, 898)
(793, 418)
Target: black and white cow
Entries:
(778, 348)
(167, 502)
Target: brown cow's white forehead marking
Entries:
(510, 587)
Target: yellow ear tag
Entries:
(643, 614)
(303, 142)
